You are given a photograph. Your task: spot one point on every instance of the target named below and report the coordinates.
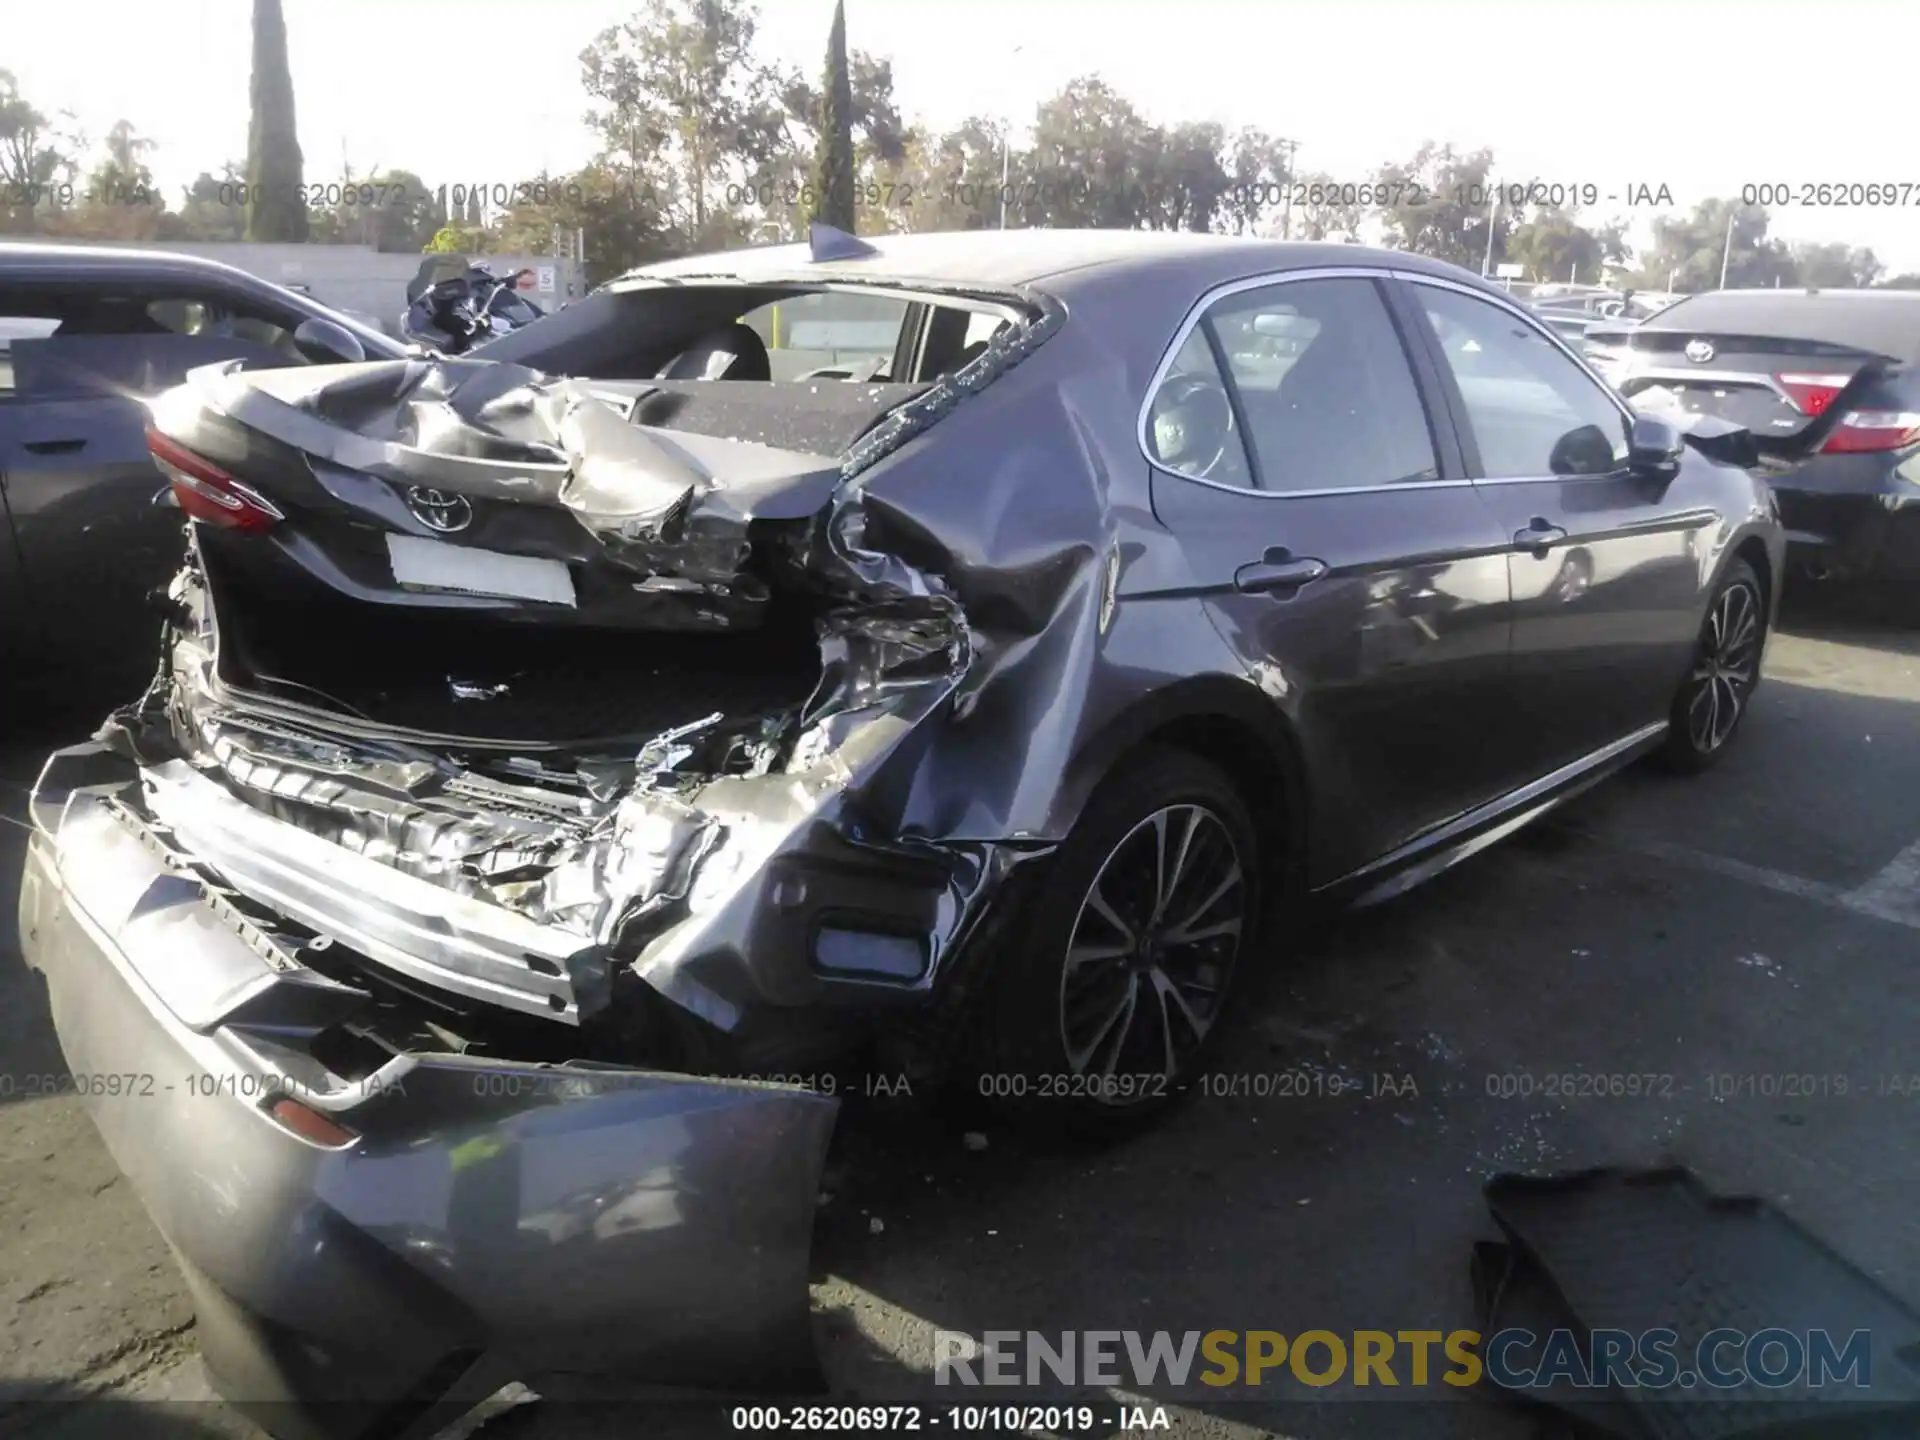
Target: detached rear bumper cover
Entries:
(489, 1213)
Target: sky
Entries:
(1699, 96)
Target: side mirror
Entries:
(1654, 447)
(325, 343)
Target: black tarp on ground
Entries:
(1636, 1251)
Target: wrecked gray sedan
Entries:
(544, 736)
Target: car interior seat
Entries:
(729, 352)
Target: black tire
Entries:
(1033, 1063)
(1713, 698)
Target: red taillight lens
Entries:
(1813, 393)
(310, 1124)
(206, 492)
(1867, 432)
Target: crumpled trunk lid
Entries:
(433, 773)
(488, 488)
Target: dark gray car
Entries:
(534, 750)
(87, 336)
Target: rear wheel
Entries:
(1726, 666)
(1136, 943)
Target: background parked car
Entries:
(1774, 361)
(85, 336)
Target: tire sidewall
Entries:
(1681, 753)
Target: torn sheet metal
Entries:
(518, 1218)
(941, 590)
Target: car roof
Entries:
(56, 263)
(998, 258)
(1885, 322)
(51, 261)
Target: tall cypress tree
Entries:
(276, 209)
(833, 181)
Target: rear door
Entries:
(1341, 550)
(1605, 564)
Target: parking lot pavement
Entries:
(1707, 936)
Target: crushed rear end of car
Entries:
(528, 755)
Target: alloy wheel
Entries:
(1152, 951)
(1726, 668)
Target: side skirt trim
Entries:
(1448, 844)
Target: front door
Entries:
(1605, 563)
(1342, 553)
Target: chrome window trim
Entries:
(1388, 489)
(1263, 282)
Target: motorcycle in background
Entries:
(454, 306)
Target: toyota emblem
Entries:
(440, 510)
(1699, 351)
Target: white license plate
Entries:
(436, 565)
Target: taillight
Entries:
(310, 1124)
(206, 492)
(1812, 393)
(1866, 432)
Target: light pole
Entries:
(1726, 250)
(1286, 191)
(1493, 204)
(1006, 135)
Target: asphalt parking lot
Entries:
(1763, 920)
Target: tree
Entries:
(1692, 248)
(1186, 181)
(210, 208)
(949, 181)
(276, 209)
(1909, 280)
(787, 176)
(1327, 210)
(1090, 150)
(682, 107)
(37, 160)
(121, 201)
(619, 230)
(1438, 204)
(833, 179)
(1260, 168)
(1839, 267)
(453, 240)
(1553, 245)
(392, 210)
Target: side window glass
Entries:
(15, 330)
(1533, 412)
(1324, 384)
(1190, 425)
(181, 317)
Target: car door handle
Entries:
(55, 447)
(1538, 535)
(1278, 569)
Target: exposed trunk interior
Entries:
(485, 677)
